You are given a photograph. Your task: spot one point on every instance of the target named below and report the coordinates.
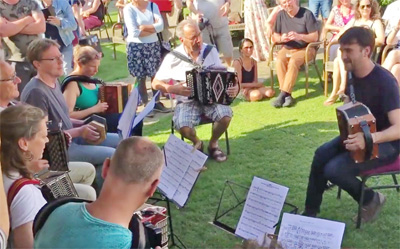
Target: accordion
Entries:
(56, 151)
(354, 118)
(209, 86)
(116, 95)
(56, 184)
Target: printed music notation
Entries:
(181, 170)
(262, 209)
(304, 232)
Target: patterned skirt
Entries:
(143, 58)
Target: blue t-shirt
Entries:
(71, 226)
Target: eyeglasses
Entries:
(58, 58)
(12, 79)
(365, 6)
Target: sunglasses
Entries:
(365, 6)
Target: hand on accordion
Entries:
(90, 133)
(233, 91)
(355, 142)
(100, 107)
(180, 89)
(39, 165)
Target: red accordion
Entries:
(116, 95)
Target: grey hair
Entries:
(181, 26)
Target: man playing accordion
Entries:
(188, 113)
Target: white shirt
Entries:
(210, 10)
(173, 68)
(392, 16)
(26, 204)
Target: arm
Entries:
(130, 22)
(23, 236)
(348, 25)
(271, 20)
(190, 6)
(91, 10)
(71, 93)
(393, 132)
(38, 26)
(4, 218)
(68, 22)
(178, 89)
(76, 9)
(8, 29)
(329, 26)
(178, 4)
(379, 32)
(392, 37)
(238, 70)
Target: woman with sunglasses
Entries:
(246, 68)
(366, 15)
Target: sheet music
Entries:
(149, 107)
(128, 114)
(299, 231)
(181, 169)
(262, 209)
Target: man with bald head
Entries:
(131, 177)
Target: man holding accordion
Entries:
(176, 66)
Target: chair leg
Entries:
(339, 193)
(319, 74)
(115, 56)
(108, 36)
(306, 71)
(360, 204)
(228, 150)
(271, 75)
(395, 182)
(326, 83)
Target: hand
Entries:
(181, 89)
(90, 133)
(224, 10)
(68, 137)
(355, 142)
(85, 14)
(294, 36)
(285, 38)
(141, 27)
(38, 165)
(233, 91)
(100, 107)
(198, 17)
(54, 21)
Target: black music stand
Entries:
(172, 236)
(228, 214)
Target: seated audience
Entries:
(295, 27)
(392, 61)
(131, 177)
(391, 16)
(378, 90)
(44, 92)
(188, 113)
(77, 10)
(339, 17)
(246, 68)
(60, 28)
(120, 4)
(92, 13)
(82, 98)
(23, 134)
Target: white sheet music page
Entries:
(262, 209)
(299, 231)
(128, 114)
(181, 169)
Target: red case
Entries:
(163, 5)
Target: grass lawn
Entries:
(275, 144)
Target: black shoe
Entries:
(150, 115)
(309, 214)
(289, 101)
(278, 102)
(159, 107)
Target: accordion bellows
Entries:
(209, 86)
(116, 95)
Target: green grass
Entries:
(275, 144)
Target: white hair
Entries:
(183, 24)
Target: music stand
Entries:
(232, 212)
(172, 236)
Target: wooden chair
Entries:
(307, 61)
(206, 120)
(117, 36)
(392, 169)
(103, 26)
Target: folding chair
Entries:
(103, 25)
(392, 169)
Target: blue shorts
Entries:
(324, 6)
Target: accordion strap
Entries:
(80, 78)
(369, 143)
(16, 187)
(183, 57)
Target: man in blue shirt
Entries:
(131, 177)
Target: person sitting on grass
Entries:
(246, 68)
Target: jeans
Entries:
(80, 151)
(333, 162)
(324, 5)
(68, 52)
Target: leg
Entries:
(313, 7)
(336, 80)
(85, 191)
(296, 60)
(186, 117)
(91, 22)
(223, 39)
(82, 172)
(317, 181)
(282, 66)
(68, 56)
(141, 83)
(257, 94)
(221, 115)
(392, 59)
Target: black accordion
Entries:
(56, 151)
(209, 86)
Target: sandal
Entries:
(217, 154)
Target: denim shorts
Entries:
(323, 6)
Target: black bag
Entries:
(164, 45)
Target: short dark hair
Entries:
(360, 35)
